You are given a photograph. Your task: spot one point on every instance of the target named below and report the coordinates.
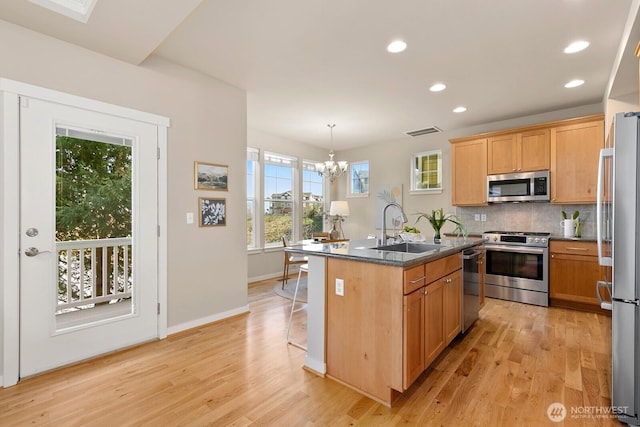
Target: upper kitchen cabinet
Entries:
(469, 172)
(518, 152)
(575, 148)
(568, 148)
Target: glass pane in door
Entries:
(93, 227)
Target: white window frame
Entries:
(416, 172)
(289, 161)
(351, 192)
(253, 155)
(310, 165)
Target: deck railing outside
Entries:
(93, 272)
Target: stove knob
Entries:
(537, 240)
(495, 238)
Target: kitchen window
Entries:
(282, 199)
(279, 197)
(426, 172)
(359, 179)
(312, 200)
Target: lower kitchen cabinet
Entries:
(432, 317)
(573, 274)
(413, 338)
(452, 308)
(433, 328)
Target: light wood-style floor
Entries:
(515, 362)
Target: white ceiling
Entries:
(308, 63)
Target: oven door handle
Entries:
(519, 249)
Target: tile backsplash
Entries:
(542, 217)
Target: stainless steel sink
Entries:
(411, 247)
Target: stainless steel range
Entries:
(517, 266)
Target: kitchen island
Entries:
(377, 318)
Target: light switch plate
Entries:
(189, 217)
(340, 287)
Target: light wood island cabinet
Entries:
(432, 317)
(452, 308)
(391, 322)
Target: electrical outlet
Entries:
(476, 217)
(340, 287)
(483, 217)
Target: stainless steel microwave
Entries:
(518, 187)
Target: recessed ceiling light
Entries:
(576, 46)
(437, 87)
(396, 46)
(460, 109)
(574, 83)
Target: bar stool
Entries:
(305, 268)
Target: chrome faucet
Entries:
(384, 221)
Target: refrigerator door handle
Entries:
(604, 153)
(605, 304)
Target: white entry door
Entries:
(88, 234)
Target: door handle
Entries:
(34, 251)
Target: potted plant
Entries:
(575, 222)
(437, 218)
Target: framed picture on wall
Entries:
(213, 212)
(211, 176)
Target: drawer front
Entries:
(414, 278)
(574, 248)
(440, 268)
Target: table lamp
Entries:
(339, 209)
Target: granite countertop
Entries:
(364, 250)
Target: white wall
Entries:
(390, 163)
(207, 271)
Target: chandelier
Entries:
(330, 168)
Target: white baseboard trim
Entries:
(315, 365)
(209, 319)
(278, 275)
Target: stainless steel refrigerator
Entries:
(619, 247)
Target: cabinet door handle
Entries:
(419, 279)
(425, 292)
(447, 280)
(576, 249)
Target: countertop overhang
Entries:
(364, 251)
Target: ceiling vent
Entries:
(425, 131)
